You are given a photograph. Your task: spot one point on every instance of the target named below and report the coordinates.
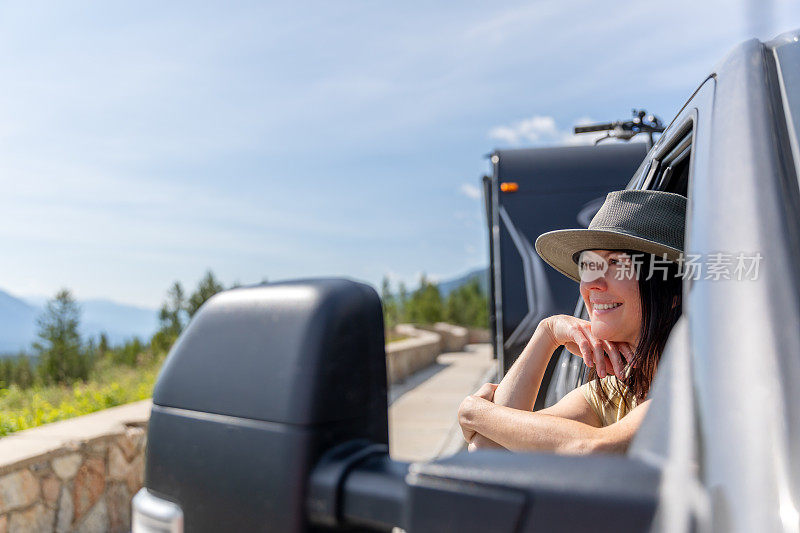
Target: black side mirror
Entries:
(261, 383)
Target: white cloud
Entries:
(535, 129)
(470, 191)
(543, 130)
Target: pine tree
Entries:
(129, 352)
(102, 345)
(6, 372)
(390, 314)
(468, 306)
(425, 305)
(23, 375)
(171, 314)
(59, 348)
(402, 300)
(170, 319)
(208, 287)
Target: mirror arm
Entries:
(357, 484)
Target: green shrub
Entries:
(128, 353)
(465, 306)
(109, 385)
(468, 306)
(162, 342)
(17, 370)
(425, 304)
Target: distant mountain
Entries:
(17, 323)
(481, 274)
(119, 321)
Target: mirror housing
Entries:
(261, 383)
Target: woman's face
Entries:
(611, 296)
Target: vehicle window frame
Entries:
(672, 149)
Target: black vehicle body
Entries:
(270, 412)
(555, 187)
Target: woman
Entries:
(627, 265)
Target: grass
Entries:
(109, 385)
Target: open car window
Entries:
(668, 168)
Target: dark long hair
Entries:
(657, 295)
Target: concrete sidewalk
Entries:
(423, 410)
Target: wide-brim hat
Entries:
(644, 221)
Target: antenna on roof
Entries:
(628, 129)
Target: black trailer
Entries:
(532, 191)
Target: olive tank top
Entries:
(613, 410)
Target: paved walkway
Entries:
(423, 409)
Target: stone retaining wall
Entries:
(454, 338)
(480, 335)
(76, 475)
(404, 357)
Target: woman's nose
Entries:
(597, 282)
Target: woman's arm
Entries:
(520, 385)
(573, 406)
(479, 442)
(522, 430)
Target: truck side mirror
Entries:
(259, 385)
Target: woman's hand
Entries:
(575, 334)
(486, 391)
(464, 410)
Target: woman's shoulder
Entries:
(610, 406)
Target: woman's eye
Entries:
(613, 261)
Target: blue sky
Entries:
(146, 142)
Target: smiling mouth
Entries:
(605, 308)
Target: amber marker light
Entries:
(509, 186)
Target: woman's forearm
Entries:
(520, 385)
(523, 430)
(479, 442)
